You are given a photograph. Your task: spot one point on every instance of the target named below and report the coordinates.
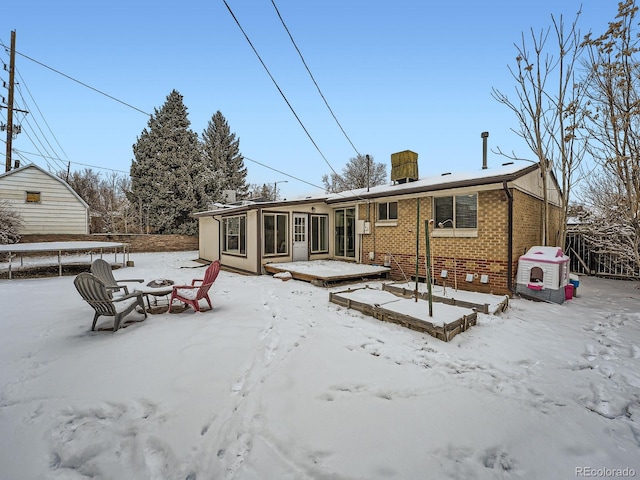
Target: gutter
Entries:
(407, 189)
(509, 236)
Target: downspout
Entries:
(219, 237)
(509, 237)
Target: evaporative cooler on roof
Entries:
(404, 167)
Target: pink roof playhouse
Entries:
(543, 274)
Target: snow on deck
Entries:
(327, 269)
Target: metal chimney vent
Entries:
(484, 136)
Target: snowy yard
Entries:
(278, 383)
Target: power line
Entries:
(23, 82)
(79, 82)
(57, 159)
(283, 173)
(279, 89)
(313, 79)
(287, 102)
(45, 157)
(40, 154)
(54, 156)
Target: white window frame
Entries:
(280, 237)
(240, 235)
(387, 215)
(450, 227)
(320, 236)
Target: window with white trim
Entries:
(275, 233)
(457, 211)
(319, 233)
(234, 235)
(387, 211)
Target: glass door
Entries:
(345, 239)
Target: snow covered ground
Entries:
(278, 383)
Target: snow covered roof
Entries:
(507, 172)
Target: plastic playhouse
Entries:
(543, 274)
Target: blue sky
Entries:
(403, 75)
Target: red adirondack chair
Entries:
(192, 294)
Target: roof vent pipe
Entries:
(484, 136)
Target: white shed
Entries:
(543, 272)
(45, 202)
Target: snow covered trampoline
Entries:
(87, 248)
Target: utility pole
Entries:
(12, 63)
(10, 126)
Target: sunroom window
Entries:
(275, 228)
(234, 238)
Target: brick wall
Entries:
(485, 254)
(528, 214)
(137, 242)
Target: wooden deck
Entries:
(327, 272)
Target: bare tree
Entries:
(614, 95)
(549, 109)
(603, 225)
(106, 198)
(264, 191)
(360, 172)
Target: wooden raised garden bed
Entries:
(389, 310)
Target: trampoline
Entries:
(19, 249)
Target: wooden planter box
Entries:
(482, 308)
(443, 332)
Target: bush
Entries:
(10, 224)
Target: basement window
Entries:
(33, 197)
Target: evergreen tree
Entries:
(360, 172)
(222, 157)
(167, 181)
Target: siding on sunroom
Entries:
(59, 210)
